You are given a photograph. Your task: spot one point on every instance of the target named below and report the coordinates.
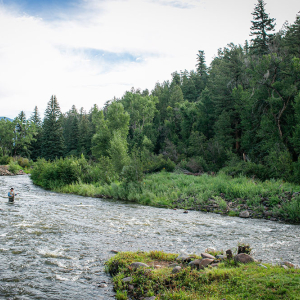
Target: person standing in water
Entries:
(11, 195)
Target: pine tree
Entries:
(262, 24)
(201, 65)
(52, 140)
(37, 144)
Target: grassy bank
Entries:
(274, 200)
(229, 280)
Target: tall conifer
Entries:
(52, 140)
(261, 27)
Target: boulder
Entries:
(201, 263)
(244, 214)
(243, 258)
(220, 257)
(184, 257)
(229, 254)
(137, 265)
(207, 255)
(127, 279)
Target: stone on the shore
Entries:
(137, 265)
(220, 257)
(183, 257)
(201, 263)
(176, 269)
(150, 298)
(244, 214)
(127, 279)
(207, 255)
(243, 258)
(263, 266)
(229, 254)
(288, 264)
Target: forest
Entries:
(240, 114)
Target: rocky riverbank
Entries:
(4, 171)
(239, 207)
(211, 275)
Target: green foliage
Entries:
(52, 134)
(291, 210)
(14, 167)
(60, 172)
(5, 160)
(230, 280)
(24, 162)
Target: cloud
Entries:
(89, 51)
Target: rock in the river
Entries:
(243, 258)
(176, 269)
(136, 265)
(150, 298)
(201, 263)
(207, 255)
(244, 214)
(102, 285)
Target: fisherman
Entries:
(11, 195)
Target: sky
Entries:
(87, 52)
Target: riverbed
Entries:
(54, 246)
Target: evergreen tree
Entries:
(261, 27)
(52, 139)
(35, 146)
(201, 65)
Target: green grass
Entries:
(172, 190)
(229, 280)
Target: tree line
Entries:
(240, 114)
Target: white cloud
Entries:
(40, 57)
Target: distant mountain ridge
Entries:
(6, 118)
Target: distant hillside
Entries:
(6, 118)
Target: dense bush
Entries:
(57, 173)
(14, 167)
(5, 160)
(24, 162)
(156, 163)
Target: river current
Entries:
(54, 246)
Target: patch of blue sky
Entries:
(104, 56)
(175, 3)
(111, 57)
(46, 9)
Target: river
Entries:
(53, 246)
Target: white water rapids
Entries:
(53, 246)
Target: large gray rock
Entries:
(207, 255)
(137, 265)
(127, 279)
(201, 263)
(243, 258)
(244, 214)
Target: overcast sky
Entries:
(88, 51)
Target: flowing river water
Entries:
(54, 246)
